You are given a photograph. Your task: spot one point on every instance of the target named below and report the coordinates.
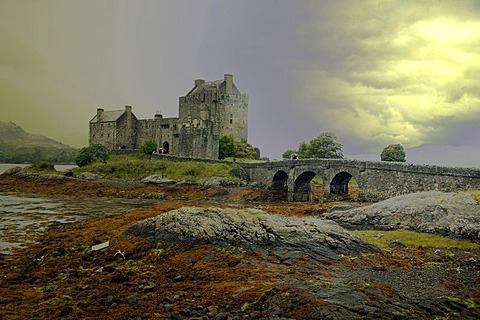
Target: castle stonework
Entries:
(207, 112)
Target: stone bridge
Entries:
(307, 179)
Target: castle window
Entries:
(231, 118)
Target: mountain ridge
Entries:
(19, 146)
(12, 136)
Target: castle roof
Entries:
(108, 116)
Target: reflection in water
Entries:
(23, 217)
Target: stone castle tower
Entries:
(208, 111)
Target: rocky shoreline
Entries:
(210, 252)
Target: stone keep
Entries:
(208, 111)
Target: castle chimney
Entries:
(199, 82)
(128, 108)
(99, 114)
(228, 83)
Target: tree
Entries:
(226, 147)
(245, 150)
(148, 147)
(393, 152)
(323, 146)
(93, 153)
(288, 153)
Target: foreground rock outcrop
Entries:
(453, 214)
(283, 236)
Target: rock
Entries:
(177, 279)
(284, 235)
(158, 179)
(132, 299)
(109, 300)
(150, 286)
(341, 207)
(221, 182)
(89, 176)
(11, 171)
(454, 214)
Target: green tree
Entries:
(93, 153)
(148, 147)
(288, 153)
(323, 146)
(393, 152)
(226, 147)
(245, 150)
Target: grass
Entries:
(412, 238)
(476, 195)
(138, 167)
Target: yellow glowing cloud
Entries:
(404, 79)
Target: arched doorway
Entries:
(344, 184)
(166, 147)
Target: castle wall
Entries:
(197, 143)
(103, 133)
(126, 131)
(234, 117)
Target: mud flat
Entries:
(24, 217)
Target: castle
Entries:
(208, 111)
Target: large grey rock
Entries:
(89, 176)
(158, 179)
(282, 235)
(11, 171)
(455, 214)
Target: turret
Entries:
(228, 78)
(99, 114)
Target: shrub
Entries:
(43, 166)
(93, 153)
(148, 147)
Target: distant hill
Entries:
(435, 154)
(19, 146)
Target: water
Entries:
(22, 218)
(59, 167)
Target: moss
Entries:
(476, 195)
(382, 239)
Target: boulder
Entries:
(252, 228)
(454, 214)
(89, 176)
(158, 179)
(12, 171)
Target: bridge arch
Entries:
(340, 184)
(280, 181)
(308, 186)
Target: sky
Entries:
(373, 72)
